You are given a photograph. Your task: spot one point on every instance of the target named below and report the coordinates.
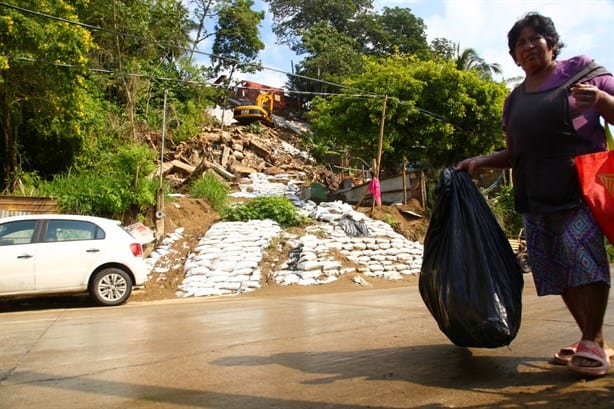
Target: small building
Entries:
(247, 91)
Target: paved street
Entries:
(347, 350)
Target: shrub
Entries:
(278, 209)
(502, 205)
(255, 128)
(212, 189)
(117, 185)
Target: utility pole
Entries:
(378, 164)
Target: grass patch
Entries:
(212, 189)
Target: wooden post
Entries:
(381, 138)
(159, 215)
(379, 146)
(404, 173)
(423, 190)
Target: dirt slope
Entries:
(195, 216)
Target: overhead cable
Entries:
(365, 94)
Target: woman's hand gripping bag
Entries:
(470, 280)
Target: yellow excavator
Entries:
(262, 111)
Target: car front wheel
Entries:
(111, 286)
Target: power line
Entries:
(105, 71)
(192, 82)
(157, 77)
(211, 55)
(166, 44)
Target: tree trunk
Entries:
(9, 149)
(4, 155)
(127, 82)
(130, 89)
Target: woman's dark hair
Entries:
(542, 25)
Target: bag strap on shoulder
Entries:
(590, 71)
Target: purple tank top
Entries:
(585, 123)
(541, 129)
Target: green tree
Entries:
(394, 31)
(469, 59)
(435, 115)
(331, 57)
(237, 42)
(137, 39)
(443, 48)
(42, 84)
(334, 48)
(203, 12)
(293, 18)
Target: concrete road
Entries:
(348, 350)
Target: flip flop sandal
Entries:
(592, 351)
(564, 355)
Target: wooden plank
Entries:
(259, 149)
(225, 156)
(220, 170)
(189, 169)
(17, 205)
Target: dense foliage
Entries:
(41, 104)
(116, 186)
(435, 114)
(238, 40)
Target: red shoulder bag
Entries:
(596, 174)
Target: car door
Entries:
(70, 251)
(17, 256)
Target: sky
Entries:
(586, 27)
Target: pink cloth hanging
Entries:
(375, 191)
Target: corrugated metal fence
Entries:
(18, 205)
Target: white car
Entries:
(57, 254)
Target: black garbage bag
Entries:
(353, 227)
(470, 279)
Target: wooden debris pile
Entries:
(235, 152)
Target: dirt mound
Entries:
(194, 217)
(407, 220)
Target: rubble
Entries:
(239, 151)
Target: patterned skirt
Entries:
(566, 249)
